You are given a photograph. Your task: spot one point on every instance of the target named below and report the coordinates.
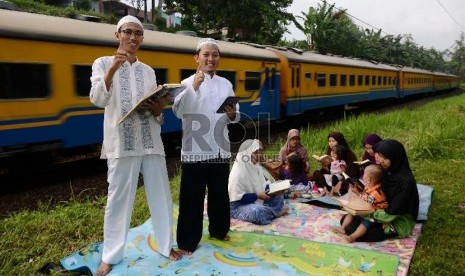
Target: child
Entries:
(337, 167)
(295, 171)
(373, 195)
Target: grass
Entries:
(432, 134)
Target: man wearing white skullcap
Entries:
(205, 152)
(132, 147)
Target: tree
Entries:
(248, 20)
(457, 62)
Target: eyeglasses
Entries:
(129, 33)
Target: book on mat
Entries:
(231, 100)
(278, 186)
(169, 90)
(324, 159)
(357, 183)
(361, 163)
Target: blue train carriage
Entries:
(45, 64)
(311, 81)
(443, 82)
(415, 81)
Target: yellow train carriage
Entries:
(415, 81)
(46, 65)
(312, 81)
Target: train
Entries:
(46, 64)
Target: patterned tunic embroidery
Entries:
(147, 141)
(126, 105)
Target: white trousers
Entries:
(123, 175)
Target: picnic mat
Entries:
(300, 243)
(311, 222)
(245, 254)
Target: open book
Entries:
(361, 163)
(357, 183)
(324, 159)
(278, 186)
(356, 206)
(169, 90)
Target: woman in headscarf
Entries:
(368, 143)
(401, 191)
(293, 146)
(247, 188)
(337, 138)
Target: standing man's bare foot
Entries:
(104, 269)
(185, 252)
(226, 238)
(175, 255)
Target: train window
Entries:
(360, 80)
(343, 80)
(252, 80)
(308, 76)
(332, 79)
(384, 80)
(230, 76)
(390, 81)
(82, 74)
(162, 75)
(352, 80)
(367, 80)
(321, 79)
(373, 80)
(379, 80)
(14, 86)
(298, 76)
(185, 73)
(292, 77)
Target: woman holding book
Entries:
(400, 188)
(337, 138)
(247, 188)
(368, 154)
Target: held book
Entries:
(169, 90)
(356, 206)
(231, 100)
(324, 159)
(361, 163)
(357, 183)
(278, 186)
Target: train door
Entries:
(296, 92)
(272, 89)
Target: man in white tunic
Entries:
(205, 153)
(132, 147)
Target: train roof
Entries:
(312, 57)
(415, 70)
(60, 29)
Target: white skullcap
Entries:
(128, 19)
(207, 41)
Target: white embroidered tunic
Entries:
(137, 135)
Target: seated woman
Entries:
(293, 146)
(337, 138)
(368, 154)
(400, 188)
(247, 184)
